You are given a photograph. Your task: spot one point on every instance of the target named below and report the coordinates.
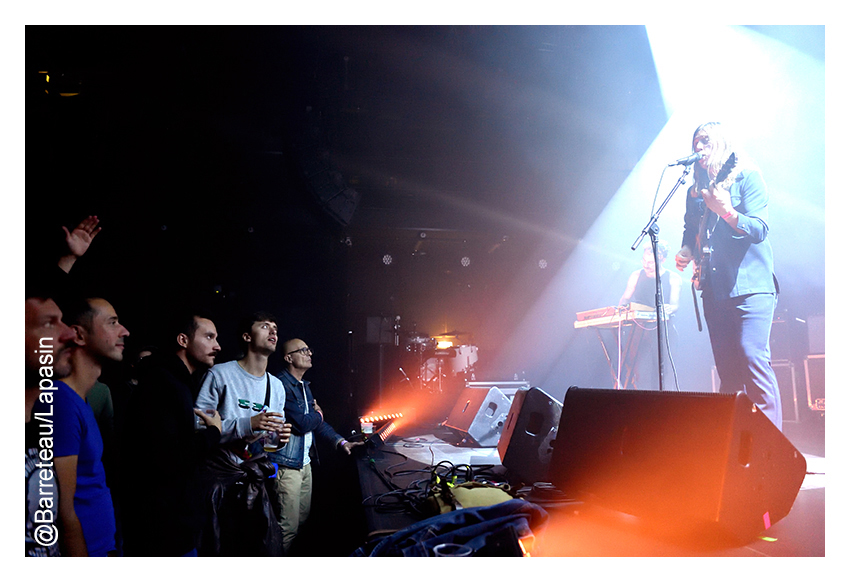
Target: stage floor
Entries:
(577, 529)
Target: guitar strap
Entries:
(705, 234)
(696, 305)
(700, 235)
(242, 447)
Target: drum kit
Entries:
(440, 358)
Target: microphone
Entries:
(688, 160)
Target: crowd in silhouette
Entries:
(175, 455)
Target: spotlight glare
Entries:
(465, 261)
(388, 259)
(542, 263)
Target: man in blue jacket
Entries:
(294, 478)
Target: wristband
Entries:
(727, 215)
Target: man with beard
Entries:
(161, 462)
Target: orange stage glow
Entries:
(415, 407)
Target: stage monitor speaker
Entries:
(525, 446)
(508, 388)
(687, 463)
(479, 415)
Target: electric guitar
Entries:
(703, 254)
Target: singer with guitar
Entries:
(726, 237)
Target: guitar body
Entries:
(708, 222)
(702, 257)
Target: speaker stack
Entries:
(688, 463)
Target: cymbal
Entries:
(453, 334)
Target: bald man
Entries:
(295, 478)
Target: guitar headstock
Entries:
(727, 168)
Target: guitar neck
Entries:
(703, 250)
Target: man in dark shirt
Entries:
(161, 462)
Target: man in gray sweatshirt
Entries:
(249, 399)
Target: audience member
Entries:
(48, 347)
(295, 476)
(249, 399)
(242, 518)
(78, 241)
(121, 388)
(161, 485)
(99, 400)
(86, 514)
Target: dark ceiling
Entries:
(503, 117)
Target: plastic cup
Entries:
(271, 441)
(199, 424)
(452, 551)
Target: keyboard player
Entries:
(641, 289)
(641, 285)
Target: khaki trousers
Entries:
(294, 491)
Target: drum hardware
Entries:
(437, 358)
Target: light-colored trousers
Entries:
(294, 491)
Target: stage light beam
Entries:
(774, 95)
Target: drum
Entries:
(464, 358)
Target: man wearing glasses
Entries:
(294, 479)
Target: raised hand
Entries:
(79, 239)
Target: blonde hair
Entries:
(723, 145)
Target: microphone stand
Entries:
(651, 229)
